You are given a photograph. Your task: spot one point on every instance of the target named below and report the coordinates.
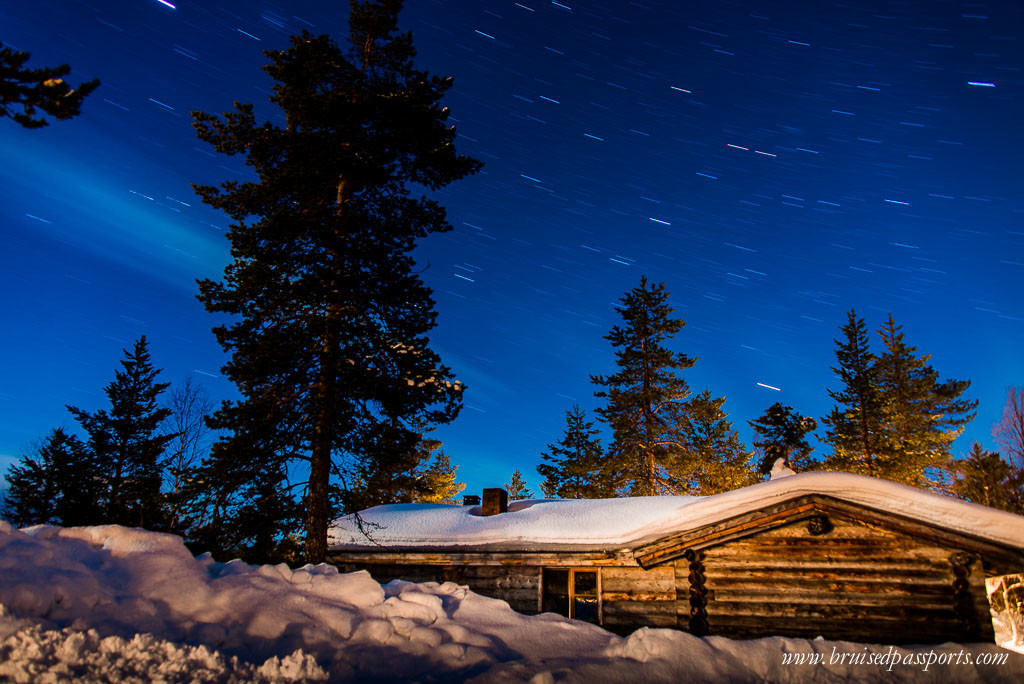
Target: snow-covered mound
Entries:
(116, 604)
(620, 522)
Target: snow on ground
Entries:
(614, 522)
(116, 604)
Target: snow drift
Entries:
(111, 603)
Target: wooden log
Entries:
(867, 572)
(886, 632)
(639, 607)
(811, 587)
(936, 556)
(640, 596)
(518, 596)
(640, 614)
(632, 572)
(882, 611)
(501, 571)
(635, 622)
(639, 583)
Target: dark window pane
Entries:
(585, 608)
(556, 592)
(556, 582)
(585, 582)
(556, 604)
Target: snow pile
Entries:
(620, 522)
(34, 655)
(116, 604)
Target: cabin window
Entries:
(572, 593)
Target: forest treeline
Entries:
(145, 459)
(893, 417)
(326, 333)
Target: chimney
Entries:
(495, 501)
(470, 500)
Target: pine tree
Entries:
(517, 488)
(55, 485)
(985, 478)
(328, 345)
(716, 460)
(921, 414)
(855, 424)
(573, 467)
(23, 91)
(439, 481)
(126, 444)
(242, 504)
(782, 433)
(646, 399)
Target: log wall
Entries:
(840, 579)
(631, 597)
(853, 582)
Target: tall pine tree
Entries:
(328, 345)
(855, 423)
(922, 414)
(573, 464)
(126, 443)
(782, 433)
(715, 459)
(646, 398)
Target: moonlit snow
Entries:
(622, 522)
(117, 604)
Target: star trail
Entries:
(774, 164)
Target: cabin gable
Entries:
(812, 570)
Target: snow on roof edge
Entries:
(624, 521)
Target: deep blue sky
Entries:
(774, 163)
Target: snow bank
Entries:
(116, 604)
(620, 522)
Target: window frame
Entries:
(572, 570)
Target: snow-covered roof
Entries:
(618, 523)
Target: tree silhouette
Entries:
(24, 92)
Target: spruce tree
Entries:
(715, 459)
(55, 485)
(574, 463)
(855, 423)
(646, 399)
(439, 481)
(985, 478)
(126, 444)
(782, 433)
(922, 414)
(23, 91)
(517, 488)
(328, 342)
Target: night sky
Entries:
(774, 163)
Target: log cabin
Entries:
(835, 555)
